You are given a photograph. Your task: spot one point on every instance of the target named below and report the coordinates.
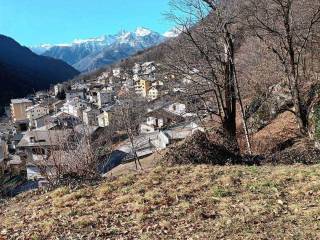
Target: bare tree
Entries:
(66, 155)
(211, 35)
(129, 113)
(287, 27)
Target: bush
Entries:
(198, 149)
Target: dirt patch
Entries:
(280, 130)
(201, 149)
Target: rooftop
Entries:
(38, 138)
(20, 100)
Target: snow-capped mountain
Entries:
(89, 54)
(125, 45)
(41, 48)
(90, 43)
(79, 48)
(172, 33)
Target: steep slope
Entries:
(22, 71)
(181, 202)
(89, 54)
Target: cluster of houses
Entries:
(43, 121)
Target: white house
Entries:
(79, 87)
(158, 83)
(58, 88)
(148, 68)
(155, 121)
(74, 107)
(177, 108)
(158, 119)
(136, 68)
(116, 72)
(153, 93)
(152, 124)
(36, 111)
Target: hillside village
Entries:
(211, 133)
(40, 122)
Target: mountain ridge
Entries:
(93, 53)
(23, 71)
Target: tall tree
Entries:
(211, 35)
(286, 27)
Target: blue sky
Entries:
(34, 22)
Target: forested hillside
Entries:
(23, 72)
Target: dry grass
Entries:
(183, 202)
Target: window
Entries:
(38, 151)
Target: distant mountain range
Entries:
(90, 54)
(22, 71)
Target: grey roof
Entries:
(86, 130)
(44, 138)
(20, 100)
(17, 137)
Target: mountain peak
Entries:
(172, 33)
(102, 38)
(141, 32)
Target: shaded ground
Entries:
(182, 202)
(147, 164)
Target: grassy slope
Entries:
(185, 202)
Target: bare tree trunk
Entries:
(136, 158)
(229, 123)
(301, 116)
(245, 125)
(294, 75)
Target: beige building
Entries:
(142, 87)
(18, 109)
(104, 119)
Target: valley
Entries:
(210, 130)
